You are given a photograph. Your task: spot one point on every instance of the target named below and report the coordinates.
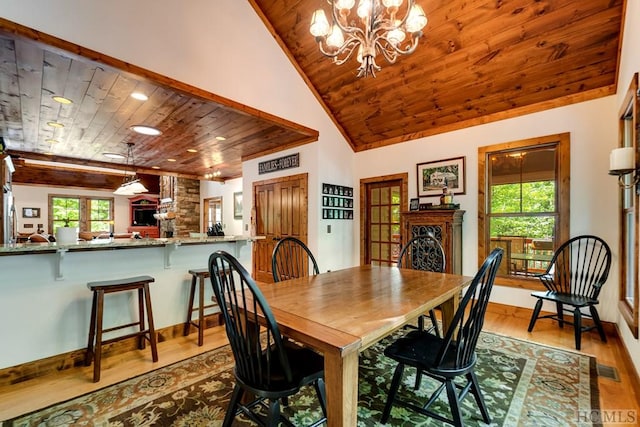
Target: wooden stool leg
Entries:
(201, 313)
(97, 359)
(92, 331)
(141, 340)
(152, 331)
(187, 323)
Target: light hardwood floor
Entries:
(40, 392)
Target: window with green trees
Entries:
(521, 206)
(86, 213)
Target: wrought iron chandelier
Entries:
(379, 31)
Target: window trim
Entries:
(629, 313)
(563, 142)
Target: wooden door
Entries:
(280, 211)
(381, 201)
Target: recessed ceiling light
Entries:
(192, 150)
(171, 160)
(139, 96)
(62, 100)
(146, 130)
(220, 138)
(51, 141)
(114, 155)
(155, 167)
(55, 124)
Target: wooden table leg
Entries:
(449, 309)
(341, 381)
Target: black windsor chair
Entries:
(292, 259)
(266, 366)
(444, 359)
(577, 271)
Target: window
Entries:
(628, 303)
(524, 205)
(86, 213)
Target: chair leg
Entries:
(534, 316)
(92, 331)
(322, 395)
(97, 355)
(236, 396)
(273, 417)
(454, 405)
(192, 293)
(141, 339)
(560, 311)
(577, 325)
(393, 390)
(434, 321)
(596, 320)
(416, 386)
(477, 393)
(152, 330)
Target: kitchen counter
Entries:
(106, 244)
(45, 304)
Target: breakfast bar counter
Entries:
(45, 305)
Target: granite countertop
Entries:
(105, 244)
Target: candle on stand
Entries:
(622, 159)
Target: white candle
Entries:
(622, 159)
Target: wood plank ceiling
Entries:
(478, 61)
(34, 67)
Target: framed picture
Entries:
(237, 205)
(414, 204)
(30, 212)
(433, 176)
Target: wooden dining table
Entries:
(341, 313)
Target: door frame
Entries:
(404, 203)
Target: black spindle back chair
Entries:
(574, 277)
(291, 259)
(444, 359)
(266, 365)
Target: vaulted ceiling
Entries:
(477, 61)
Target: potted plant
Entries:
(66, 234)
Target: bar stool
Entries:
(198, 275)
(139, 283)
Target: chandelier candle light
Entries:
(380, 31)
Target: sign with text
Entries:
(286, 162)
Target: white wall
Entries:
(629, 64)
(593, 129)
(27, 196)
(208, 189)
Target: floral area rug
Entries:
(524, 384)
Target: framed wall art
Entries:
(30, 212)
(433, 176)
(237, 205)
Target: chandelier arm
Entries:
(348, 46)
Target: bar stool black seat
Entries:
(198, 276)
(100, 288)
